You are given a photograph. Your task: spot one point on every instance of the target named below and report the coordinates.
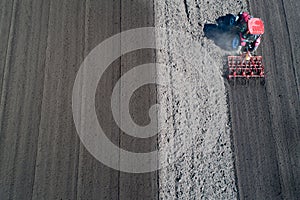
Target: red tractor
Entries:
(246, 65)
(242, 34)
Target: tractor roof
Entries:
(256, 26)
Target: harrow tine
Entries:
(239, 67)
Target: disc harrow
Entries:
(241, 67)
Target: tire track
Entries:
(21, 107)
(291, 38)
(6, 58)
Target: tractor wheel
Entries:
(229, 42)
(226, 22)
(232, 21)
(235, 43)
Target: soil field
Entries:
(231, 141)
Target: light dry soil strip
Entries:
(194, 116)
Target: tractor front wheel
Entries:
(236, 43)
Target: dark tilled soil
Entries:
(266, 118)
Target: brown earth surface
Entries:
(266, 119)
(42, 44)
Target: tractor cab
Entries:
(256, 26)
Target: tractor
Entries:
(240, 34)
